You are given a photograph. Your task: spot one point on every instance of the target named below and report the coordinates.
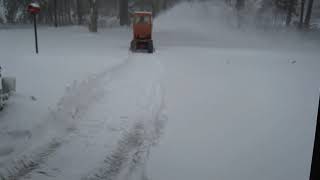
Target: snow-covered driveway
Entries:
(103, 104)
(120, 128)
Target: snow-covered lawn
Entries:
(241, 103)
(232, 104)
(69, 58)
(237, 114)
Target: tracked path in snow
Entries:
(76, 102)
(113, 127)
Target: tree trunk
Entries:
(93, 25)
(301, 13)
(55, 13)
(308, 14)
(79, 12)
(124, 14)
(69, 12)
(117, 8)
(164, 5)
(228, 2)
(60, 15)
(65, 11)
(240, 4)
(290, 12)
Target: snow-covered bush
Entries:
(108, 21)
(1, 12)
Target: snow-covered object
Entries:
(35, 5)
(34, 8)
(4, 96)
(1, 98)
(7, 85)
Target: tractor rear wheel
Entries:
(150, 47)
(133, 46)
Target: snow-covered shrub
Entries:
(108, 21)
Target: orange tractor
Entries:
(142, 32)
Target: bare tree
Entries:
(228, 2)
(290, 12)
(240, 4)
(55, 13)
(301, 13)
(93, 25)
(308, 14)
(79, 12)
(124, 14)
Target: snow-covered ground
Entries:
(47, 83)
(240, 114)
(229, 103)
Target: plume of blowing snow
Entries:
(216, 24)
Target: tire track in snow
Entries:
(71, 107)
(26, 164)
(132, 151)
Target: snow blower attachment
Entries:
(142, 32)
(7, 86)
